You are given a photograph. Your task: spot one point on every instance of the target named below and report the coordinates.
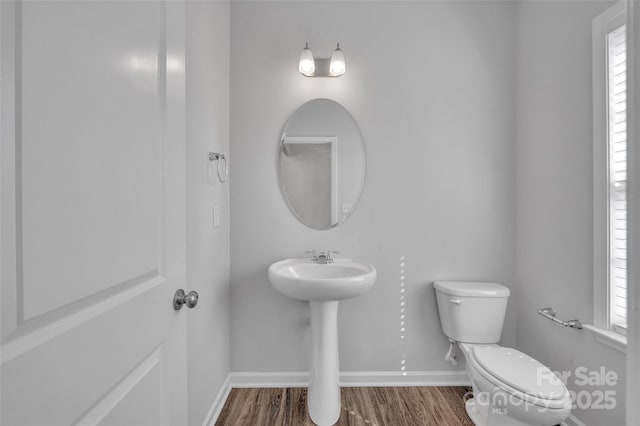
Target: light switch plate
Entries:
(216, 216)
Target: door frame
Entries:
(633, 332)
(332, 141)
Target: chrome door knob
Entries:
(180, 298)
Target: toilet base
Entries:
(474, 413)
(480, 416)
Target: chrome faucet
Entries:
(321, 257)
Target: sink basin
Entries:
(313, 282)
(323, 286)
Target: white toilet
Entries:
(509, 387)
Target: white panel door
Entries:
(92, 213)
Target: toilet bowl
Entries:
(509, 387)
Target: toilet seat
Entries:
(517, 374)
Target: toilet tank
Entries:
(472, 312)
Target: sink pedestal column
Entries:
(323, 395)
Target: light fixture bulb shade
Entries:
(337, 65)
(307, 65)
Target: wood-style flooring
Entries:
(383, 406)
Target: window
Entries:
(610, 170)
(617, 144)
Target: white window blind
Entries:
(617, 175)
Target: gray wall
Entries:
(555, 194)
(207, 247)
(451, 169)
(431, 85)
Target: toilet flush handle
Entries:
(455, 301)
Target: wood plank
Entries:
(363, 406)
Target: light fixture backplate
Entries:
(322, 68)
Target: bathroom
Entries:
(477, 127)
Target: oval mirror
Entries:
(322, 164)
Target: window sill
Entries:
(610, 338)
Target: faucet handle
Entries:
(330, 254)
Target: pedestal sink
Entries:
(323, 286)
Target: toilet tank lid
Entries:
(471, 288)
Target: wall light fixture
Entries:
(307, 63)
(322, 67)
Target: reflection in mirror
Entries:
(322, 164)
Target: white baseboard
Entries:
(352, 378)
(404, 378)
(294, 379)
(572, 421)
(218, 403)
